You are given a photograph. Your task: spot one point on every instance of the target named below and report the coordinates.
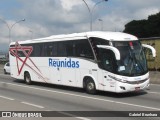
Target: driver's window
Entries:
(106, 60)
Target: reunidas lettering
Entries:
(63, 63)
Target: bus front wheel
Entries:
(27, 78)
(90, 86)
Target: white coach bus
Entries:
(106, 61)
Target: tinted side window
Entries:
(70, 48)
(55, 49)
(97, 41)
(21, 51)
(83, 49)
(106, 60)
(61, 49)
(37, 50)
(47, 50)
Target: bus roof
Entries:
(111, 36)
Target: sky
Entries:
(51, 17)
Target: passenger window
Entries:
(37, 50)
(20, 53)
(70, 48)
(83, 49)
(55, 48)
(47, 50)
(62, 49)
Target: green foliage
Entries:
(144, 28)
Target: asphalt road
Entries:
(15, 95)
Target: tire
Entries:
(90, 86)
(27, 78)
(5, 71)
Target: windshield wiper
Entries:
(138, 59)
(135, 63)
(138, 63)
(132, 61)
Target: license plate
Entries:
(137, 88)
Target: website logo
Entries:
(6, 114)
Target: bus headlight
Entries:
(118, 79)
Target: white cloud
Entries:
(4, 39)
(49, 17)
(69, 4)
(139, 3)
(137, 9)
(112, 22)
(144, 13)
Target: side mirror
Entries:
(151, 48)
(115, 50)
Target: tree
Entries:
(144, 28)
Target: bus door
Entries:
(108, 65)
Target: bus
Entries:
(105, 61)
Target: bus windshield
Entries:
(133, 61)
(132, 58)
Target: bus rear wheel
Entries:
(90, 86)
(27, 78)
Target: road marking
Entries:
(68, 114)
(8, 75)
(38, 106)
(93, 98)
(155, 84)
(6, 98)
(154, 92)
(83, 118)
